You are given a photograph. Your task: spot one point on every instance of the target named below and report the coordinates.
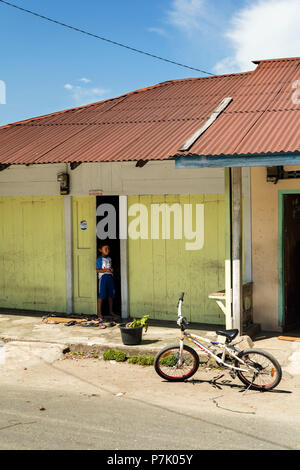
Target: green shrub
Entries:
(113, 355)
(120, 356)
(169, 361)
(133, 359)
(141, 360)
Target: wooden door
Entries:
(160, 269)
(291, 258)
(32, 253)
(84, 255)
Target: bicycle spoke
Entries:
(262, 371)
(172, 366)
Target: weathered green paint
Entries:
(281, 306)
(84, 255)
(32, 253)
(159, 270)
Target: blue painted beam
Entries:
(196, 161)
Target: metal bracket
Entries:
(3, 166)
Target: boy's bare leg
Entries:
(99, 309)
(110, 304)
(99, 312)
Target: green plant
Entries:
(141, 322)
(113, 355)
(133, 359)
(141, 360)
(169, 361)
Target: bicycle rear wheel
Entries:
(264, 370)
(167, 364)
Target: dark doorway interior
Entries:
(291, 256)
(114, 251)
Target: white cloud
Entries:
(85, 80)
(82, 95)
(159, 31)
(264, 29)
(187, 15)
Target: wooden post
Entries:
(237, 250)
(228, 251)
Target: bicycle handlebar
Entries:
(182, 322)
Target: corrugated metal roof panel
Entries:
(153, 123)
(147, 124)
(263, 117)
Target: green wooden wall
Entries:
(32, 253)
(160, 269)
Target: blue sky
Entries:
(47, 68)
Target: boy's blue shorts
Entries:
(106, 287)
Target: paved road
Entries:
(90, 404)
(71, 421)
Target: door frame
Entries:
(281, 293)
(123, 237)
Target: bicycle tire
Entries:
(165, 353)
(275, 370)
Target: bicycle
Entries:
(257, 369)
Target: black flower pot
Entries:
(131, 336)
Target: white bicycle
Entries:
(257, 369)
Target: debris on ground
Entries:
(80, 320)
(214, 400)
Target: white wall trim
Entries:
(123, 218)
(247, 224)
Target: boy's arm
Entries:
(99, 266)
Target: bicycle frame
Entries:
(196, 340)
(254, 367)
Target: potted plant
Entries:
(131, 332)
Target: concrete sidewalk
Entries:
(30, 329)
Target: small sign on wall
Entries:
(83, 225)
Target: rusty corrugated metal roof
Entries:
(154, 122)
(150, 123)
(263, 117)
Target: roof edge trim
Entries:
(284, 59)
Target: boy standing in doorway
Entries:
(106, 281)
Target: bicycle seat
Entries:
(229, 334)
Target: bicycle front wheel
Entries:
(168, 365)
(264, 371)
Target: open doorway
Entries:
(108, 222)
(291, 261)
